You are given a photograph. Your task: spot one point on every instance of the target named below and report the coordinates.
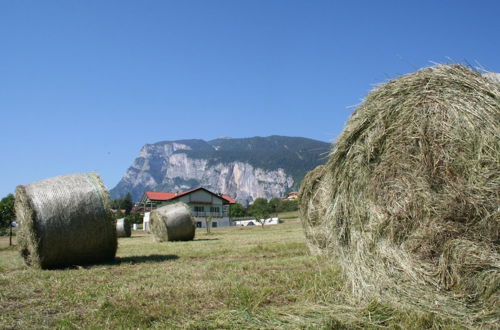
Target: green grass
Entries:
(238, 277)
(289, 215)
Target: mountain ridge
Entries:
(245, 168)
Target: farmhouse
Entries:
(203, 203)
(292, 196)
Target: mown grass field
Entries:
(237, 277)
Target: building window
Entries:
(214, 209)
(198, 209)
(198, 224)
(214, 224)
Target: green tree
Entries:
(275, 205)
(127, 203)
(7, 213)
(292, 205)
(236, 210)
(260, 210)
(116, 204)
(134, 217)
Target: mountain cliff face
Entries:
(243, 168)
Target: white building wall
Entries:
(184, 199)
(253, 222)
(206, 201)
(145, 221)
(202, 196)
(221, 222)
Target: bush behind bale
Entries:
(123, 228)
(408, 202)
(64, 221)
(172, 222)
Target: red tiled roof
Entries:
(159, 196)
(187, 192)
(229, 199)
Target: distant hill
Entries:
(245, 168)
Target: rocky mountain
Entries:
(244, 168)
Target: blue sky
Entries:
(84, 84)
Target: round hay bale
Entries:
(493, 76)
(123, 228)
(64, 221)
(408, 202)
(172, 222)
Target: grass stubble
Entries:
(237, 277)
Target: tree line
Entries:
(263, 208)
(7, 213)
(123, 209)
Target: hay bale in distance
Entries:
(123, 228)
(408, 203)
(172, 222)
(64, 221)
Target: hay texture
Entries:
(65, 221)
(172, 222)
(408, 202)
(123, 228)
(493, 76)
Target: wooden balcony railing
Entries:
(208, 214)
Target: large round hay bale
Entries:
(64, 221)
(123, 228)
(408, 202)
(172, 222)
(493, 76)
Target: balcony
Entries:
(208, 214)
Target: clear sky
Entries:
(84, 84)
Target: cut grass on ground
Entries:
(289, 215)
(237, 277)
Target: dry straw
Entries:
(172, 222)
(65, 221)
(495, 77)
(123, 228)
(408, 202)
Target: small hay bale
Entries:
(172, 222)
(123, 228)
(408, 203)
(65, 221)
